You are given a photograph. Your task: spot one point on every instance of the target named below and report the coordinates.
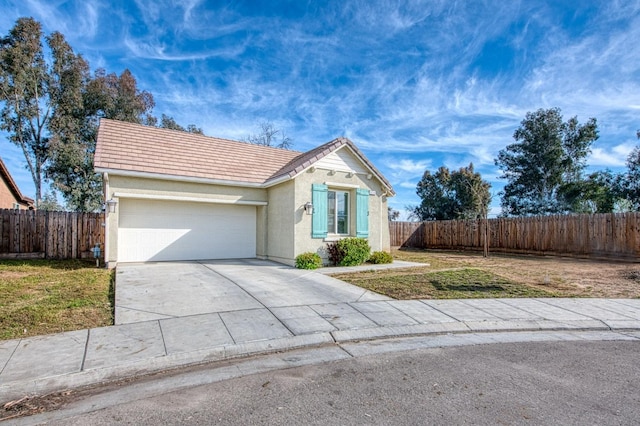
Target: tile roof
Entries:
(13, 187)
(133, 147)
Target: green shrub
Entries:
(308, 261)
(380, 257)
(352, 251)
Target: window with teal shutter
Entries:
(362, 213)
(319, 218)
(338, 212)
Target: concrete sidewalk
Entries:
(44, 364)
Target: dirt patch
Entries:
(571, 277)
(13, 275)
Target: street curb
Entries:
(475, 327)
(102, 375)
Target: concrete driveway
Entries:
(152, 291)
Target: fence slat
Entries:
(59, 235)
(613, 235)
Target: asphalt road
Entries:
(569, 383)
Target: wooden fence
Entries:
(50, 235)
(598, 235)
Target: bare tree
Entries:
(270, 136)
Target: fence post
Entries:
(46, 234)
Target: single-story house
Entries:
(173, 195)
(10, 195)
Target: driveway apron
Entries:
(160, 290)
(152, 291)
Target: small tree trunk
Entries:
(486, 237)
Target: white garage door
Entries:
(150, 230)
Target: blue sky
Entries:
(415, 85)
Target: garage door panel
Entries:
(152, 230)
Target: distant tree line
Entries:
(545, 173)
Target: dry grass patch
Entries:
(444, 284)
(469, 275)
(48, 296)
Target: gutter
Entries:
(161, 176)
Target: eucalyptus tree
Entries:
(52, 105)
(547, 155)
(75, 126)
(25, 79)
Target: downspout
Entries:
(382, 214)
(105, 185)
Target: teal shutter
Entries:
(319, 219)
(362, 212)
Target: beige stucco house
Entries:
(174, 195)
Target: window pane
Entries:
(343, 212)
(331, 212)
(338, 212)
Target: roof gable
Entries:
(341, 160)
(316, 155)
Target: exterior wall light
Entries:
(111, 204)
(308, 207)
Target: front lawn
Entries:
(49, 296)
(456, 275)
(461, 283)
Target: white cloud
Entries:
(615, 156)
(79, 25)
(409, 82)
(410, 166)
